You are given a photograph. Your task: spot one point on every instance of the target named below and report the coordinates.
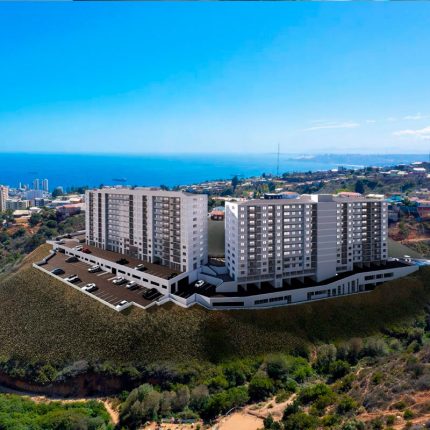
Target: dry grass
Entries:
(44, 320)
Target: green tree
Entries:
(57, 192)
(359, 186)
(300, 421)
(260, 386)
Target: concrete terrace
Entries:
(158, 270)
(295, 284)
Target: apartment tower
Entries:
(4, 195)
(312, 236)
(165, 227)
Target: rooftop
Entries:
(158, 270)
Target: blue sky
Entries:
(215, 77)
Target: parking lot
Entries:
(107, 290)
(157, 270)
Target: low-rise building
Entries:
(13, 205)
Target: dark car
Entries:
(57, 271)
(151, 294)
(86, 250)
(172, 275)
(72, 259)
(122, 261)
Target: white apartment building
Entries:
(4, 195)
(45, 185)
(165, 227)
(13, 205)
(313, 236)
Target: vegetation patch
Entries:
(22, 413)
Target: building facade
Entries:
(14, 205)
(4, 195)
(165, 227)
(316, 237)
(45, 185)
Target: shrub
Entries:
(400, 405)
(338, 369)
(326, 354)
(377, 377)
(260, 386)
(292, 408)
(300, 421)
(390, 419)
(199, 396)
(236, 373)
(330, 420)
(21, 413)
(346, 404)
(315, 392)
(375, 347)
(224, 401)
(345, 384)
(282, 396)
(408, 414)
(277, 367)
(377, 424)
(353, 425)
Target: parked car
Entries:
(94, 269)
(122, 261)
(199, 283)
(121, 303)
(132, 286)
(150, 294)
(78, 248)
(90, 288)
(119, 280)
(72, 259)
(60, 241)
(72, 278)
(141, 267)
(57, 271)
(86, 250)
(172, 275)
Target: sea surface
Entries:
(69, 170)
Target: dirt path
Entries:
(251, 417)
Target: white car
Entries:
(90, 288)
(132, 286)
(119, 280)
(71, 278)
(199, 283)
(78, 248)
(121, 303)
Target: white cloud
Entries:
(417, 116)
(370, 121)
(347, 124)
(422, 133)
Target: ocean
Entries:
(68, 170)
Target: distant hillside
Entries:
(44, 321)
